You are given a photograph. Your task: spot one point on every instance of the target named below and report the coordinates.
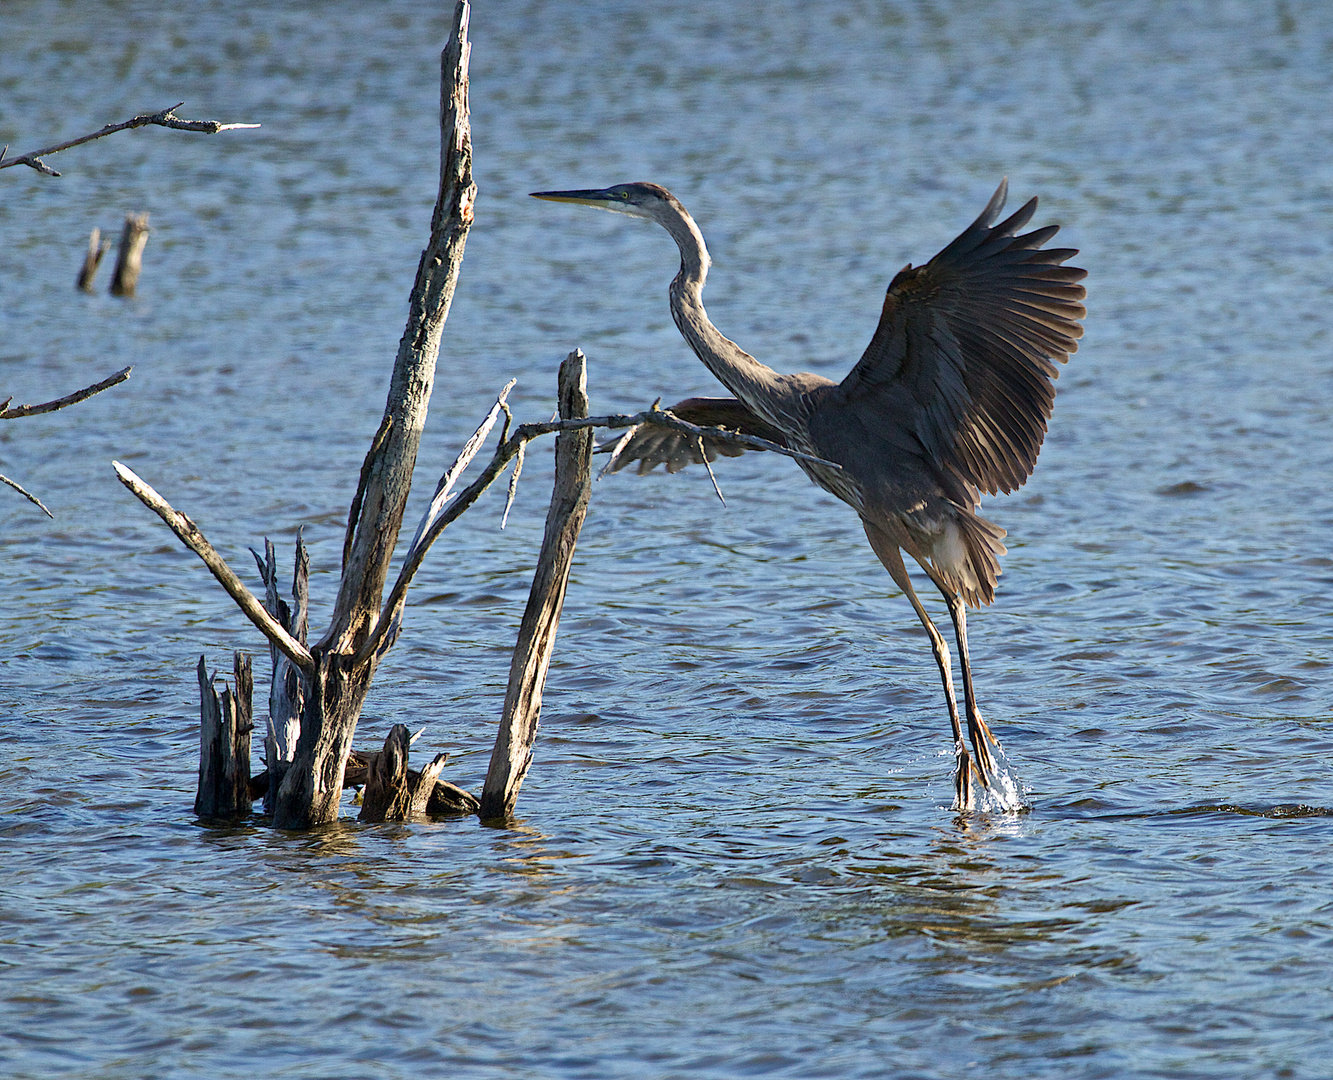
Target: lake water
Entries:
(734, 855)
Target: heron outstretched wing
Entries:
(652, 446)
(962, 357)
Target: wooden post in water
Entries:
(224, 743)
(512, 755)
(97, 249)
(129, 256)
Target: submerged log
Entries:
(129, 256)
(224, 743)
(512, 755)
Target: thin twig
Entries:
(709, 466)
(617, 450)
(513, 487)
(437, 519)
(166, 118)
(193, 539)
(69, 399)
(26, 494)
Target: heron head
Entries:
(637, 200)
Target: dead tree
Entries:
(321, 701)
(224, 743)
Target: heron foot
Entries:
(962, 779)
(982, 740)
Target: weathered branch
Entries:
(193, 539)
(166, 118)
(512, 754)
(64, 402)
(26, 494)
(507, 451)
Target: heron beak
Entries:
(587, 197)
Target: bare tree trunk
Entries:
(512, 755)
(129, 256)
(312, 787)
(224, 744)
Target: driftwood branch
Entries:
(166, 118)
(393, 792)
(193, 539)
(26, 494)
(17, 411)
(512, 754)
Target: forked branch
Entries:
(166, 118)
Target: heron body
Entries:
(949, 400)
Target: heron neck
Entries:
(736, 369)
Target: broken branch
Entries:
(193, 539)
(166, 118)
(69, 399)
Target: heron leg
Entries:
(977, 730)
(887, 550)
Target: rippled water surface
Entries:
(734, 855)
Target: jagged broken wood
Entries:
(166, 118)
(224, 743)
(287, 687)
(393, 793)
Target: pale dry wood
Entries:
(512, 755)
(26, 494)
(166, 118)
(97, 249)
(195, 540)
(508, 450)
(225, 724)
(311, 790)
(286, 689)
(129, 255)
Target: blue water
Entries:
(734, 855)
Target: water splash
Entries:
(1006, 793)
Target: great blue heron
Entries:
(950, 399)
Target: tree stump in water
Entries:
(129, 256)
(224, 743)
(393, 793)
(97, 248)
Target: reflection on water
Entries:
(736, 854)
